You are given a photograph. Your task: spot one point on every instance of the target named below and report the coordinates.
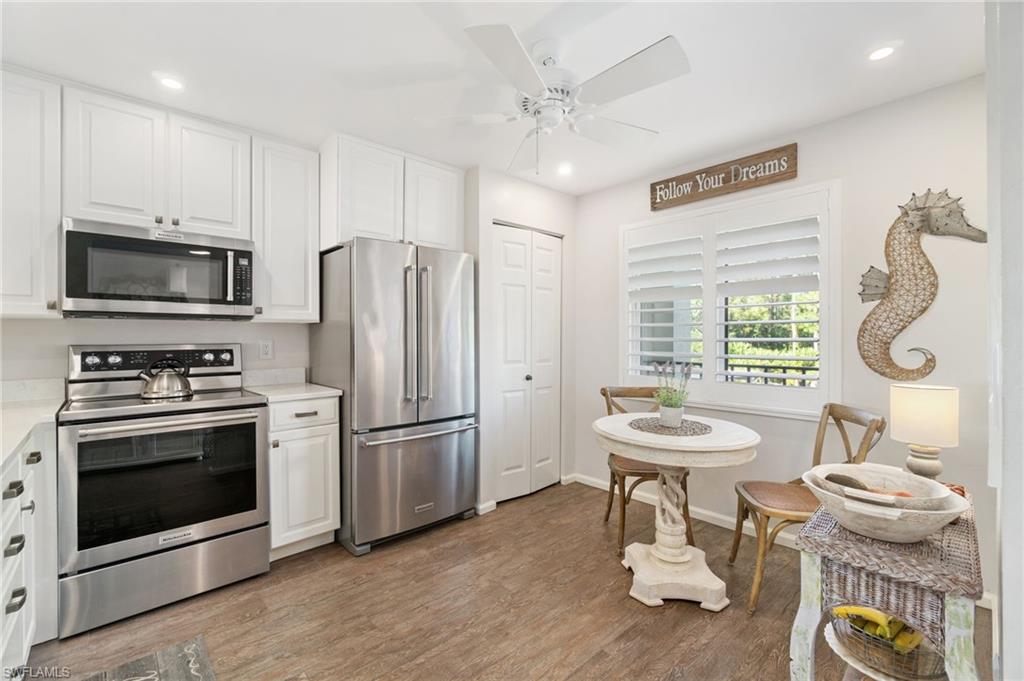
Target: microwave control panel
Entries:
(243, 279)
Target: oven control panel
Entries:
(135, 359)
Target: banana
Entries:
(885, 625)
(907, 640)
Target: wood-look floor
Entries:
(530, 591)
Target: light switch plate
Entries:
(266, 349)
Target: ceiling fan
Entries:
(551, 95)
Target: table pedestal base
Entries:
(655, 579)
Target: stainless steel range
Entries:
(162, 479)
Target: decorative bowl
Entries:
(875, 517)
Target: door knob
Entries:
(529, 377)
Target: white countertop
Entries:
(293, 391)
(17, 419)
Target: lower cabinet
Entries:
(305, 489)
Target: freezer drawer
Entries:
(410, 477)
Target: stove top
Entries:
(131, 407)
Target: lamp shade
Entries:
(927, 415)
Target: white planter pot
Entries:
(671, 417)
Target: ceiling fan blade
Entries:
(525, 157)
(502, 46)
(660, 62)
(612, 132)
(469, 119)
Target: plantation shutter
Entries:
(755, 268)
(664, 282)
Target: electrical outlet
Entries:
(266, 349)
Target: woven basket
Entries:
(924, 662)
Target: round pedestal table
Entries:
(670, 568)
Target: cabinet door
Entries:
(370, 195)
(31, 197)
(433, 205)
(114, 160)
(305, 485)
(209, 178)
(285, 229)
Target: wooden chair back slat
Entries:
(873, 424)
(611, 392)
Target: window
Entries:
(753, 279)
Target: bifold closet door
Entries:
(526, 433)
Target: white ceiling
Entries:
(389, 72)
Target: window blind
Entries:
(665, 302)
(767, 286)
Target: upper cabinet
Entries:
(31, 197)
(433, 205)
(115, 161)
(369, 190)
(286, 232)
(209, 178)
(138, 165)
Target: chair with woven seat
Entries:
(621, 468)
(791, 502)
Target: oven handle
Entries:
(148, 427)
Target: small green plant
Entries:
(671, 390)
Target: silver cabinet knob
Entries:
(158, 219)
(529, 377)
(275, 443)
(175, 222)
(51, 304)
(30, 507)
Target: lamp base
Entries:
(924, 461)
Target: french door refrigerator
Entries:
(397, 336)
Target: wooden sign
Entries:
(748, 172)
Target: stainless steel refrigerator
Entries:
(396, 333)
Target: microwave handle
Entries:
(231, 277)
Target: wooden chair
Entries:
(791, 502)
(622, 468)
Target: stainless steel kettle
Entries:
(169, 381)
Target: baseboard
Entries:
(486, 507)
(301, 545)
(785, 538)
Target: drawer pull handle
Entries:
(34, 457)
(15, 546)
(17, 602)
(304, 414)
(14, 490)
(423, 507)
(30, 507)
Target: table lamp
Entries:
(927, 418)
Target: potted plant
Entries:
(671, 394)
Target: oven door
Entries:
(111, 270)
(132, 487)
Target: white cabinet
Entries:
(115, 161)
(131, 164)
(525, 439)
(304, 495)
(31, 197)
(369, 190)
(209, 178)
(285, 228)
(305, 466)
(433, 205)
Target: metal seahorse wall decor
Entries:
(909, 287)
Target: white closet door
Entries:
(546, 352)
(510, 438)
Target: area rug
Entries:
(186, 661)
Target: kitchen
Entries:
(413, 303)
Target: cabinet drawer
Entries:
(303, 413)
(15, 595)
(15, 492)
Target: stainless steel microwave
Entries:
(117, 271)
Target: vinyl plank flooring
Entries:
(531, 591)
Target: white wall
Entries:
(490, 196)
(38, 349)
(881, 155)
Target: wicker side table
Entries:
(931, 585)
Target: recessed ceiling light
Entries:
(882, 53)
(171, 83)
(565, 168)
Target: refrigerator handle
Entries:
(427, 334)
(410, 331)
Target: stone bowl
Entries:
(884, 522)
